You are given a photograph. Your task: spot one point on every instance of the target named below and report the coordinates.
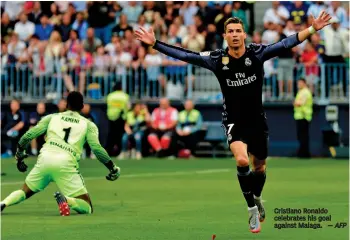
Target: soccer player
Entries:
(58, 161)
(239, 70)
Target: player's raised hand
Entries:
(145, 36)
(321, 21)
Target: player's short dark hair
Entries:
(75, 101)
(233, 20)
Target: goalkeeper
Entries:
(58, 161)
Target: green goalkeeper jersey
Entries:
(68, 132)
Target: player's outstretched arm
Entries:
(101, 153)
(148, 37)
(273, 50)
(34, 132)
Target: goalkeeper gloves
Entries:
(113, 174)
(20, 156)
(114, 171)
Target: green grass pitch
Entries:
(182, 200)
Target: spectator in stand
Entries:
(33, 48)
(130, 43)
(172, 37)
(42, 65)
(36, 13)
(318, 46)
(194, 41)
(55, 16)
(182, 30)
(12, 128)
(72, 12)
(135, 125)
(80, 25)
(91, 43)
(298, 13)
(139, 71)
(117, 12)
(24, 28)
(220, 19)
(337, 47)
(211, 42)
(110, 47)
(16, 48)
(120, 60)
(278, 14)
(187, 11)
(61, 105)
(198, 22)
(5, 70)
(238, 12)
(270, 35)
(12, 8)
(80, 65)
(119, 29)
(65, 27)
(285, 69)
(164, 120)
(153, 62)
(159, 26)
(102, 62)
(289, 29)
(34, 118)
(71, 43)
(336, 10)
(141, 22)
(7, 27)
(189, 124)
(170, 13)
(207, 13)
(54, 46)
(101, 18)
(133, 10)
(44, 29)
(310, 60)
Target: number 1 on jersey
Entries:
(67, 132)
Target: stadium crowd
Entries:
(84, 41)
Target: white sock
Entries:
(255, 208)
(34, 151)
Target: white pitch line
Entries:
(209, 171)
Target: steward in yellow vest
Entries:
(189, 123)
(117, 108)
(303, 115)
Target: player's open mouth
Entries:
(235, 41)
